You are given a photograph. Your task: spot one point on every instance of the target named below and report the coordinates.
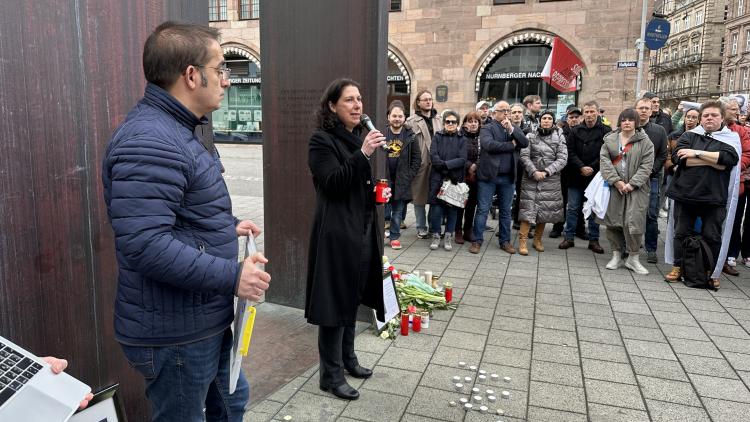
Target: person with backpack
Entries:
(705, 185)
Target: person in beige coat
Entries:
(626, 161)
(425, 122)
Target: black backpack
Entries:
(697, 263)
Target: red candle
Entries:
(416, 323)
(404, 324)
(448, 292)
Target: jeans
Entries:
(182, 380)
(504, 187)
(421, 216)
(685, 216)
(396, 209)
(575, 204)
(652, 218)
(436, 218)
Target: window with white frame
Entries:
(696, 45)
(698, 18)
(735, 39)
(745, 76)
(740, 7)
(677, 23)
(686, 22)
(747, 40)
(683, 81)
(730, 80)
(217, 10)
(674, 53)
(694, 79)
(685, 50)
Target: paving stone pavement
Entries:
(579, 342)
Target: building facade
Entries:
(462, 52)
(687, 68)
(736, 64)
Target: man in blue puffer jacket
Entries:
(175, 236)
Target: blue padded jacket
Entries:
(175, 235)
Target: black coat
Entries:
(448, 156)
(662, 119)
(407, 167)
(343, 182)
(584, 147)
(658, 137)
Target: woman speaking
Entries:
(344, 267)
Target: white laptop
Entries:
(31, 392)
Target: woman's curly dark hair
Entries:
(327, 119)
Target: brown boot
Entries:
(475, 247)
(459, 237)
(595, 246)
(538, 232)
(566, 244)
(508, 247)
(674, 276)
(523, 237)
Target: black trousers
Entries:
(712, 218)
(740, 242)
(465, 216)
(336, 348)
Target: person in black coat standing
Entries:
(448, 157)
(344, 265)
(584, 148)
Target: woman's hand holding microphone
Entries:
(372, 142)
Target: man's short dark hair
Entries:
(714, 104)
(531, 99)
(591, 103)
(172, 47)
(327, 119)
(650, 95)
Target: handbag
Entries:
(455, 195)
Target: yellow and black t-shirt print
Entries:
(395, 146)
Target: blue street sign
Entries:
(657, 32)
(625, 65)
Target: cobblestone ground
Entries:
(579, 342)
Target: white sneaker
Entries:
(615, 262)
(732, 262)
(633, 264)
(447, 245)
(663, 214)
(435, 242)
(746, 261)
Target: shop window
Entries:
(516, 73)
(249, 9)
(395, 5)
(240, 118)
(217, 10)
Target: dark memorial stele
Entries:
(306, 45)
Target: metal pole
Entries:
(641, 47)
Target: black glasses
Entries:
(451, 122)
(503, 110)
(224, 72)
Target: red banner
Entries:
(562, 67)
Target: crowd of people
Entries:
(535, 169)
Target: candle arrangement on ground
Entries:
(479, 398)
(418, 296)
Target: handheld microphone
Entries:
(365, 121)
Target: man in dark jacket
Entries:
(175, 236)
(658, 137)
(499, 144)
(404, 160)
(573, 119)
(533, 105)
(584, 146)
(657, 116)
